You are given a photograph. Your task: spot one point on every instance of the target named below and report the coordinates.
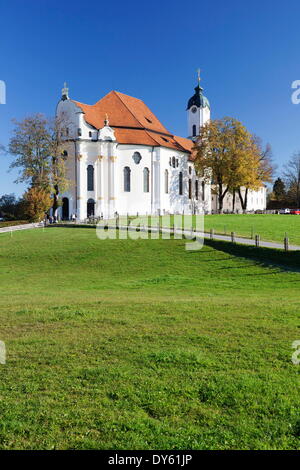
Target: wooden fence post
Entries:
(286, 243)
(257, 240)
(233, 237)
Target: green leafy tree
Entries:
(10, 207)
(279, 191)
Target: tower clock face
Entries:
(194, 109)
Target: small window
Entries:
(64, 153)
(166, 181)
(190, 188)
(148, 120)
(90, 134)
(203, 190)
(166, 140)
(127, 172)
(177, 162)
(173, 162)
(194, 131)
(79, 132)
(190, 170)
(180, 184)
(146, 180)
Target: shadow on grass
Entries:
(287, 261)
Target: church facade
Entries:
(121, 159)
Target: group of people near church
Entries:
(53, 219)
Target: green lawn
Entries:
(143, 345)
(269, 227)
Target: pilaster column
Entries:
(156, 172)
(99, 185)
(81, 194)
(112, 179)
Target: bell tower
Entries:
(198, 110)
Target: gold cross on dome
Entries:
(198, 73)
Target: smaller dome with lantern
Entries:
(198, 99)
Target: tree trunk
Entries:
(244, 201)
(55, 200)
(233, 201)
(221, 196)
(220, 199)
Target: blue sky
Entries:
(247, 51)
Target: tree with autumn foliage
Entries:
(37, 147)
(260, 174)
(36, 202)
(232, 157)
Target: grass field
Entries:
(144, 345)
(270, 227)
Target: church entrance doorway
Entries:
(90, 208)
(65, 208)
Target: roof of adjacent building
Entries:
(133, 122)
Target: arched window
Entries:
(166, 181)
(90, 208)
(197, 189)
(146, 180)
(180, 184)
(127, 179)
(194, 130)
(90, 178)
(190, 188)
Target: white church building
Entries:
(121, 159)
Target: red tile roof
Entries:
(132, 121)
